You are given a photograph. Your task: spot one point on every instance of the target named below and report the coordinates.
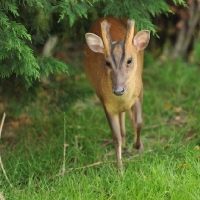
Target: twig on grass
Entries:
(101, 163)
(4, 172)
(165, 124)
(64, 147)
(2, 197)
(1, 164)
(64, 158)
(111, 196)
(96, 164)
(2, 122)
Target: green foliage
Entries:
(18, 52)
(73, 10)
(15, 56)
(140, 10)
(197, 51)
(26, 25)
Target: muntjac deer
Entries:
(113, 62)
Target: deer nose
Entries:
(119, 91)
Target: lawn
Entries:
(39, 167)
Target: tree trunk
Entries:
(186, 33)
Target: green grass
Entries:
(168, 169)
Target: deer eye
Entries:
(107, 63)
(129, 61)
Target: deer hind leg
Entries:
(122, 128)
(113, 121)
(136, 120)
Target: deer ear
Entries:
(141, 39)
(94, 42)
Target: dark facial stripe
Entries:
(117, 53)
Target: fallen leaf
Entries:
(167, 106)
(15, 124)
(184, 166)
(58, 78)
(197, 147)
(177, 118)
(178, 109)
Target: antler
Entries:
(106, 36)
(129, 33)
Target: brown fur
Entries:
(103, 80)
(97, 72)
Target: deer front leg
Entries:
(113, 121)
(122, 127)
(136, 120)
